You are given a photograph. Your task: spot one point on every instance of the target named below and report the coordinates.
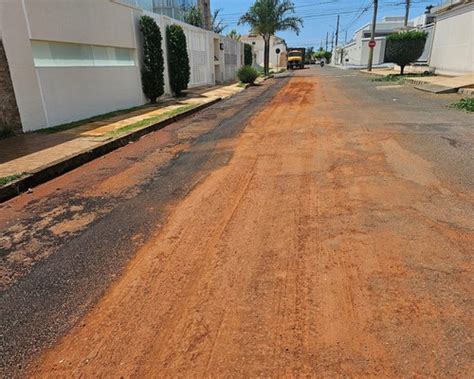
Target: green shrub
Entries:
(464, 104)
(247, 74)
(248, 58)
(178, 60)
(405, 47)
(153, 63)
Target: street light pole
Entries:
(372, 34)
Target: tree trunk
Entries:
(266, 56)
(402, 68)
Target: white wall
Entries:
(353, 52)
(203, 46)
(453, 43)
(425, 57)
(233, 58)
(198, 51)
(50, 96)
(379, 51)
(358, 52)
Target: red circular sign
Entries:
(372, 44)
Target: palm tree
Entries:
(266, 17)
(233, 34)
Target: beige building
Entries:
(277, 60)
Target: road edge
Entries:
(62, 166)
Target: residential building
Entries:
(449, 49)
(63, 61)
(452, 50)
(356, 52)
(171, 8)
(277, 60)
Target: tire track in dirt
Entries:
(301, 257)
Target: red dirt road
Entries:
(323, 248)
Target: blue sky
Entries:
(320, 16)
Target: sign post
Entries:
(278, 51)
(372, 35)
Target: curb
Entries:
(466, 91)
(65, 165)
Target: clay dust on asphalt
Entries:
(320, 249)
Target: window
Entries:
(60, 54)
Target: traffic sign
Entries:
(372, 44)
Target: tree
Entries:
(248, 56)
(321, 54)
(233, 34)
(178, 60)
(309, 53)
(193, 16)
(405, 47)
(217, 25)
(266, 17)
(153, 62)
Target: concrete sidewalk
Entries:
(28, 153)
(435, 83)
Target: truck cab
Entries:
(296, 58)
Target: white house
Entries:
(356, 52)
(452, 51)
(257, 43)
(449, 49)
(70, 60)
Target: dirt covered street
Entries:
(324, 230)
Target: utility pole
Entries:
(372, 35)
(337, 31)
(345, 39)
(332, 42)
(407, 13)
(327, 37)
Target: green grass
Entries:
(8, 179)
(75, 124)
(397, 78)
(464, 105)
(151, 120)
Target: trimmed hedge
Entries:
(178, 60)
(248, 58)
(153, 62)
(247, 74)
(405, 47)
